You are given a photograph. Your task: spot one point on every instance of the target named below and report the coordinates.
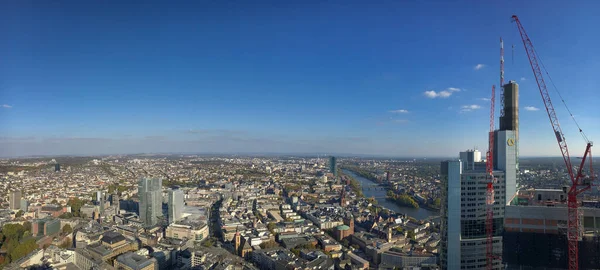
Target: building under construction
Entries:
(464, 236)
(535, 231)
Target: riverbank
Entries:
(380, 195)
(405, 202)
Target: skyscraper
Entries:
(469, 158)
(14, 199)
(24, 205)
(100, 200)
(506, 141)
(57, 167)
(175, 204)
(150, 194)
(333, 165)
(463, 207)
(463, 216)
(114, 198)
(510, 120)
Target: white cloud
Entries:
(453, 89)
(531, 108)
(468, 108)
(440, 94)
(6, 106)
(485, 99)
(523, 78)
(399, 111)
(479, 66)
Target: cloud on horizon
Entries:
(479, 66)
(6, 106)
(531, 108)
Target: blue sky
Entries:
(306, 77)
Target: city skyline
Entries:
(398, 80)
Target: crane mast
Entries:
(489, 166)
(501, 78)
(579, 181)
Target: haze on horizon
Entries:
(397, 79)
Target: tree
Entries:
(345, 242)
(67, 229)
(411, 235)
(66, 215)
(21, 250)
(19, 214)
(76, 205)
(268, 244)
(208, 243)
(27, 225)
(271, 226)
(13, 231)
(67, 243)
(54, 201)
(436, 202)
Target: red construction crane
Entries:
(489, 166)
(579, 181)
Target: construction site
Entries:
(508, 228)
(554, 228)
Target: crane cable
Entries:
(561, 98)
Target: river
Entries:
(380, 194)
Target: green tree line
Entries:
(402, 200)
(17, 241)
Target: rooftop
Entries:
(112, 237)
(134, 260)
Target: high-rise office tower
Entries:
(463, 207)
(333, 165)
(114, 202)
(57, 167)
(510, 120)
(24, 205)
(14, 199)
(100, 200)
(150, 194)
(175, 204)
(506, 141)
(469, 158)
(463, 216)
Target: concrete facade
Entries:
(507, 160)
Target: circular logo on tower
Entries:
(510, 142)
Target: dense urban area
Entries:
(227, 212)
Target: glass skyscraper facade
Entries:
(150, 193)
(175, 204)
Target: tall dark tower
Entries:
(57, 167)
(333, 165)
(510, 120)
